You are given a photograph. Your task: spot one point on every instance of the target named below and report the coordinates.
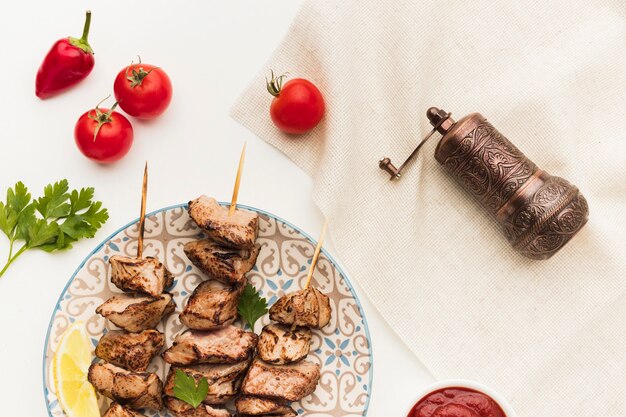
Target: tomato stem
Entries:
(110, 112)
(102, 118)
(275, 84)
(103, 100)
(137, 73)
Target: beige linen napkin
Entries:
(551, 76)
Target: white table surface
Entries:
(210, 49)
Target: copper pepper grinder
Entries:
(539, 213)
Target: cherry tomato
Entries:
(298, 106)
(103, 135)
(143, 90)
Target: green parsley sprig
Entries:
(186, 389)
(251, 306)
(52, 222)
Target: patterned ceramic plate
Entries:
(342, 348)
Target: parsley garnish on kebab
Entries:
(186, 389)
(251, 306)
(52, 222)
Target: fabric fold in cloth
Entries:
(549, 335)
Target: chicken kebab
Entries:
(225, 256)
(280, 374)
(212, 348)
(127, 353)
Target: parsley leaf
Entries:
(251, 305)
(186, 389)
(80, 200)
(8, 219)
(41, 233)
(53, 203)
(16, 213)
(52, 222)
(19, 198)
(24, 220)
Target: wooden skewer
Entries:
(142, 216)
(316, 254)
(233, 201)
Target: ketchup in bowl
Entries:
(456, 402)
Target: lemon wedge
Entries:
(70, 366)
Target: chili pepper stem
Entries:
(82, 42)
(86, 27)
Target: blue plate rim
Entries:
(185, 206)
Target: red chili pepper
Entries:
(68, 62)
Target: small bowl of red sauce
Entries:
(460, 398)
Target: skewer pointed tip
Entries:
(233, 201)
(316, 254)
(142, 216)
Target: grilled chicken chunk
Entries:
(146, 275)
(116, 410)
(255, 406)
(308, 307)
(132, 351)
(229, 344)
(280, 345)
(135, 314)
(221, 263)
(135, 390)
(224, 380)
(211, 305)
(284, 382)
(236, 231)
(181, 409)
